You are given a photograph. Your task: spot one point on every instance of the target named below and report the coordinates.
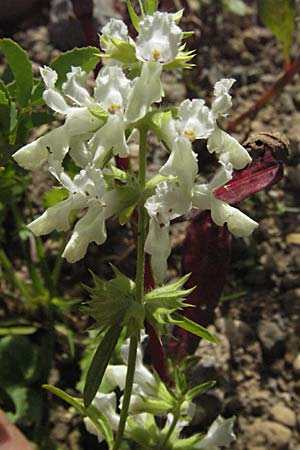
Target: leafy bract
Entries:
(279, 17)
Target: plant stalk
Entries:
(139, 281)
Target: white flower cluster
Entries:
(97, 127)
(146, 386)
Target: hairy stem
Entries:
(139, 289)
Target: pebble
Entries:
(272, 339)
(284, 415)
(268, 435)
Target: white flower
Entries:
(222, 101)
(106, 404)
(87, 190)
(170, 201)
(220, 434)
(195, 120)
(115, 28)
(147, 90)
(74, 88)
(237, 222)
(159, 38)
(182, 163)
(79, 124)
(220, 142)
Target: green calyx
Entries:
(113, 303)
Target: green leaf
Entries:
(193, 327)
(99, 363)
(133, 16)
(279, 17)
(28, 405)
(97, 418)
(86, 58)
(200, 389)
(3, 98)
(6, 401)
(17, 330)
(150, 6)
(21, 68)
(19, 361)
(54, 196)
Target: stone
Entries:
(269, 435)
(296, 364)
(272, 340)
(284, 415)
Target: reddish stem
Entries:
(273, 90)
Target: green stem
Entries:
(7, 266)
(128, 390)
(171, 429)
(139, 283)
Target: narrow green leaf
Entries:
(3, 98)
(99, 364)
(86, 58)
(132, 14)
(193, 327)
(21, 68)
(200, 389)
(279, 17)
(17, 330)
(150, 6)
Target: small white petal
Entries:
(56, 217)
(116, 376)
(146, 90)
(182, 163)
(49, 77)
(80, 121)
(221, 142)
(159, 38)
(237, 222)
(115, 28)
(220, 434)
(90, 228)
(195, 120)
(158, 245)
(110, 137)
(74, 88)
(222, 100)
(33, 155)
(223, 174)
(106, 404)
(112, 89)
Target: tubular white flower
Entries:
(222, 101)
(220, 142)
(86, 191)
(237, 222)
(220, 434)
(182, 163)
(195, 120)
(169, 202)
(147, 89)
(74, 88)
(159, 38)
(51, 95)
(106, 403)
(112, 89)
(115, 28)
